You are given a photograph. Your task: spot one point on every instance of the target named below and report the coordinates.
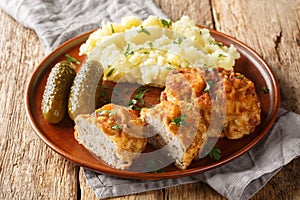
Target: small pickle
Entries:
(85, 91)
(55, 97)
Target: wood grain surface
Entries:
(31, 170)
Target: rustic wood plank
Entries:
(28, 169)
(199, 11)
(272, 29)
(193, 191)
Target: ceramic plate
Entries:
(60, 137)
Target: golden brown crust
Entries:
(105, 119)
(241, 106)
(122, 126)
(184, 84)
(185, 123)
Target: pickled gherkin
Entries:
(85, 91)
(55, 97)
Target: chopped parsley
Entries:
(71, 59)
(128, 51)
(209, 85)
(110, 72)
(132, 103)
(112, 28)
(215, 153)
(116, 127)
(219, 44)
(170, 68)
(240, 76)
(150, 44)
(140, 94)
(222, 56)
(166, 23)
(179, 120)
(103, 112)
(143, 30)
(265, 90)
(179, 40)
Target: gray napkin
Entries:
(56, 21)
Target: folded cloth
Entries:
(56, 21)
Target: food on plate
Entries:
(55, 96)
(113, 133)
(180, 122)
(208, 89)
(185, 84)
(85, 91)
(202, 96)
(243, 108)
(144, 52)
(178, 128)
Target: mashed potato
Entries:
(144, 52)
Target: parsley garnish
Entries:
(138, 96)
(140, 93)
(132, 103)
(215, 153)
(128, 51)
(143, 30)
(112, 28)
(222, 56)
(110, 72)
(240, 76)
(71, 59)
(179, 120)
(102, 112)
(179, 40)
(265, 89)
(170, 68)
(166, 23)
(209, 85)
(116, 127)
(219, 44)
(150, 44)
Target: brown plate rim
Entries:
(150, 176)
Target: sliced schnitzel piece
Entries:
(178, 129)
(113, 133)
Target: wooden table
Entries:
(31, 170)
